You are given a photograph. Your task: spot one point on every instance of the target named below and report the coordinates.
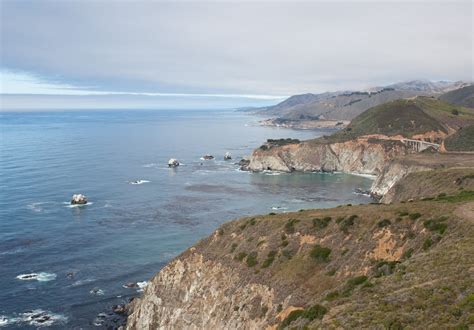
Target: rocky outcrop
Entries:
(173, 162)
(192, 293)
(78, 199)
(392, 173)
(363, 155)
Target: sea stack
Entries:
(227, 156)
(173, 162)
(78, 199)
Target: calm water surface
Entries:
(128, 232)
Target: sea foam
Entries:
(40, 277)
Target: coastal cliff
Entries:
(363, 156)
(375, 266)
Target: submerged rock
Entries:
(244, 164)
(173, 162)
(78, 199)
(131, 285)
(208, 157)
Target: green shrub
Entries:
(384, 223)
(319, 253)
(270, 258)
(290, 226)
(221, 232)
(272, 213)
(252, 259)
(332, 295)
(279, 308)
(358, 280)
(242, 226)
(455, 112)
(321, 223)
(315, 312)
(339, 220)
(241, 256)
(408, 253)
(436, 225)
(347, 223)
(233, 247)
(403, 213)
(293, 316)
(352, 283)
(384, 268)
(252, 221)
(312, 313)
(414, 216)
(284, 243)
(427, 243)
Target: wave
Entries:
(142, 286)
(37, 318)
(71, 206)
(41, 318)
(279, 208)
(138, 182)
(40, 277)
(82, 282)
(97, 292)
(36, 207)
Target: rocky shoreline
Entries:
(304, 123)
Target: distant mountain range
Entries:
(346, 105)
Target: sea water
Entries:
(65, 266)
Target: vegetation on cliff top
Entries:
(462, 140)
(406, 118)
(406, 264)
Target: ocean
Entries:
(65, 267)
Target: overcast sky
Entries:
(260, 51)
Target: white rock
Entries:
(173, 162)
(78, 199)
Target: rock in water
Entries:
(78, 199)
(227, 156)
(208, 157)
(173, 162)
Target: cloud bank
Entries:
(239, 48)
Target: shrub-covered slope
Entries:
(407, 118)
(462, 140)
(462, 96)
(370, 266)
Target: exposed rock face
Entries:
(364, 156)
(191, 293)
(392, 173)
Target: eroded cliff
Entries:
(363, 155)
(361, 266)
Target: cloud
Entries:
(239, 48)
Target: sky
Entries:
(223, 54)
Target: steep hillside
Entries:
(372, 266)
(462, 140)
(409, 118)
(463, 96)
(431, 184)
(347, 105)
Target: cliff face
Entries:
(194, 293)
(364, 156)
(368, 266)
